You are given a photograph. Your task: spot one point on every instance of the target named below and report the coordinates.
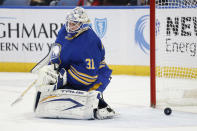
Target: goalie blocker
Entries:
(74, 104)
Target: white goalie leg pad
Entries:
(66, 103)
(46, 89)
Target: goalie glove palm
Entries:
(47, 75)
(62, 79)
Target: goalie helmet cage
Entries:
(173, 53)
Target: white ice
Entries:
(128, 95)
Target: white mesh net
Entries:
(176, 52)
(176, 3)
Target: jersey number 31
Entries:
(90, 63)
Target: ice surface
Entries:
(128, 95)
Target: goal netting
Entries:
(176, 52)
(176, 3)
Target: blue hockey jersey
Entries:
(83, 57)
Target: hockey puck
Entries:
(167, 111)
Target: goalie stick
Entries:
(23, 93)
(39, 65)
(42, 62)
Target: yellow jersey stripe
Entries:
(102, 62)
(84, 75)
(77, 78)
(102, 45)
(83, 78)
(101, 66)
(96, 86)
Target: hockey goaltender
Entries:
(72, 78)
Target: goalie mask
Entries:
(77, 20)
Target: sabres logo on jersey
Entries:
(56, 51)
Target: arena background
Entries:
(27, 33)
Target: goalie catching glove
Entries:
(48, 75)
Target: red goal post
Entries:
(173, 52)
(152, 55)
